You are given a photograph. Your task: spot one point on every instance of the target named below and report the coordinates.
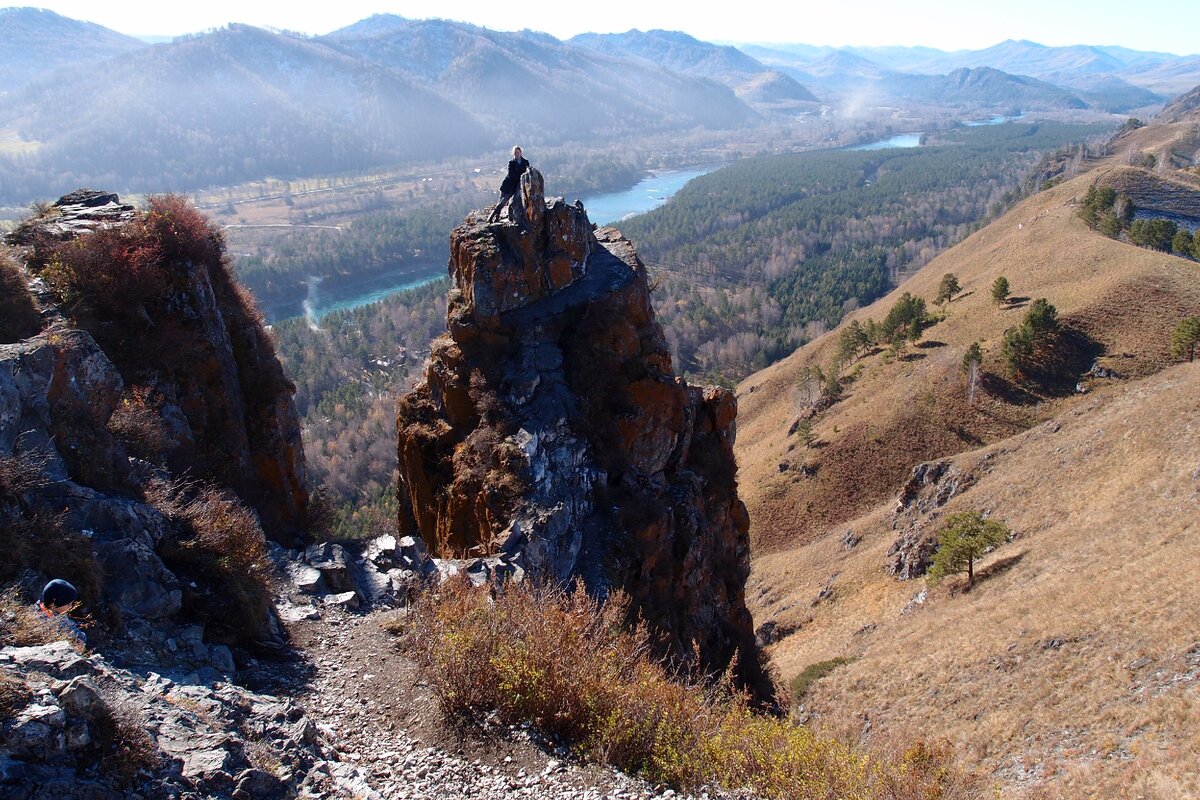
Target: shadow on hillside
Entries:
(929, 344)
(1056, 371)
(966, 436)
(912, 357)
(1007, 391)
(995, 569)
(1061, 366)
(1017, 302)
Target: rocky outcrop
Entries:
(917, 512)
(551, 436)
(204, 393)
(89, 729)
(134, 426)
(79, 494)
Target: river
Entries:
(649, 193)
(320, 302)
(603, 209)
(900, 140)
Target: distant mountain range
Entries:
(1163, 74)
(677, 51)
(81, 104)
(241, 103)
(34, 42)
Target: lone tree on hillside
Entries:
(970, 366)
(947, 289)
(898, 323)
(809, 382)
(1185, 339)
(965, 539)
(1000, 291)
(1021, 345)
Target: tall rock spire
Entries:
(551, 433)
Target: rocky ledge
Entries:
(551, 437)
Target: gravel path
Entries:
(392, 742)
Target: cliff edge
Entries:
(550, 435)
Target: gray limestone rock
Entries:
(57, 659)
(137, 580)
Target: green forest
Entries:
(759, 257)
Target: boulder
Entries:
(346, 600)
(382, 551)
(333, 563)
(137, 581)
(80, 698)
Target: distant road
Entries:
(284, 225)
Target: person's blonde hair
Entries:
(516, 147)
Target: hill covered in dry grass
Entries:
(1069, 668)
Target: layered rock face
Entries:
(117, 410)
(551, 436)
(197, 359)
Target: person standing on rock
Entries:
(512, 182)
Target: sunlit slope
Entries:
(898, 414)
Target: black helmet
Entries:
(58, 593)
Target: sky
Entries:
(1165, 25)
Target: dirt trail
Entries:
(392, 740)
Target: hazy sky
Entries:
(1168, 25)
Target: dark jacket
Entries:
(516, 168)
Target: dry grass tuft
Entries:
(18, 316)
(22, 472)
(220, 545)
(565, 663)
(14, 695)
(22, 626)
(121, 745)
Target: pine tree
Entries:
(947, 288)
(965, 539)
(1000, 291)
(1182, 242)
(1185, 339)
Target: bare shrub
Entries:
(220, 545)
(136, 421)
(37, 540)
(21, 472)
(565, 663)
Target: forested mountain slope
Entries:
(34, 41)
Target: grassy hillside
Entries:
(1069, 663)
(1074, 658)
(898, 414)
